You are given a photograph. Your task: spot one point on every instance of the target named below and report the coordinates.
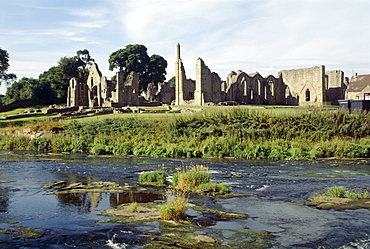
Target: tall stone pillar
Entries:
(180, 77)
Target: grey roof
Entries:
(358, 83)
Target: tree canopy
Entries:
(135, 58)
(28, 89)
(4, 65)
(52, 85)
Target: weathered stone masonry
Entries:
(307, 86)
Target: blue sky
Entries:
(249, 35)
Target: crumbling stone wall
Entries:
(185, 88)
(254, 89)
(77, 93)
(97, 91)
(306, 86)
(207, 85)
(336, 85)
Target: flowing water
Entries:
(275, 195)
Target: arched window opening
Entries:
(259, 87)
(308, 97)
(244, 85)
(272, 90)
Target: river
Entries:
(275, 196)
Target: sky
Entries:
(264, 36)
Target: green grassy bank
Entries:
(233, 132)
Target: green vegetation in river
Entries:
(338, 198)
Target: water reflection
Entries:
(4, 200)
(86, 202)
(116, 199)
(80, 200)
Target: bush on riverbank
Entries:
(235, 133)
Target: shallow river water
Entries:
(276, 192)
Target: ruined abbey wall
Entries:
(306, 86)
(97, 91)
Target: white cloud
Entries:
(250, 35)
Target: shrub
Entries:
(157, 176)
(40, 144)
(173, 210)
(14, 142)
(336, 191)
(99, 149)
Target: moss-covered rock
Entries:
(338, 203)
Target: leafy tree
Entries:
(52, 85)
(28, 89)
(135, 58)
(157, 69)
(172, 81)
(4, 65)
(84, 60)
(2, 99)
(59, 76)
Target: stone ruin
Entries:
(97, 91)
(308, 87)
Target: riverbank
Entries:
(234, 132)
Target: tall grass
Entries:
(157, 176)
(237, 132)
(173, 209)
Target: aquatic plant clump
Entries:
(157, 176)
(188, 180)
(173, 209)
(198, 182)
(213, 188)
(336, 191)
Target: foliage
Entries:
(52, 85)
(197, 180)
(189, 180)
(157, 176)
(339, 191)
(28, 89)
(212, 188)
(352, 195)
(336, 191)
(135, 58)
(40, 144)
(84, 60)
(4, 65)
(172, 81)
(173, 209)
(58, 76)
(235, 132)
